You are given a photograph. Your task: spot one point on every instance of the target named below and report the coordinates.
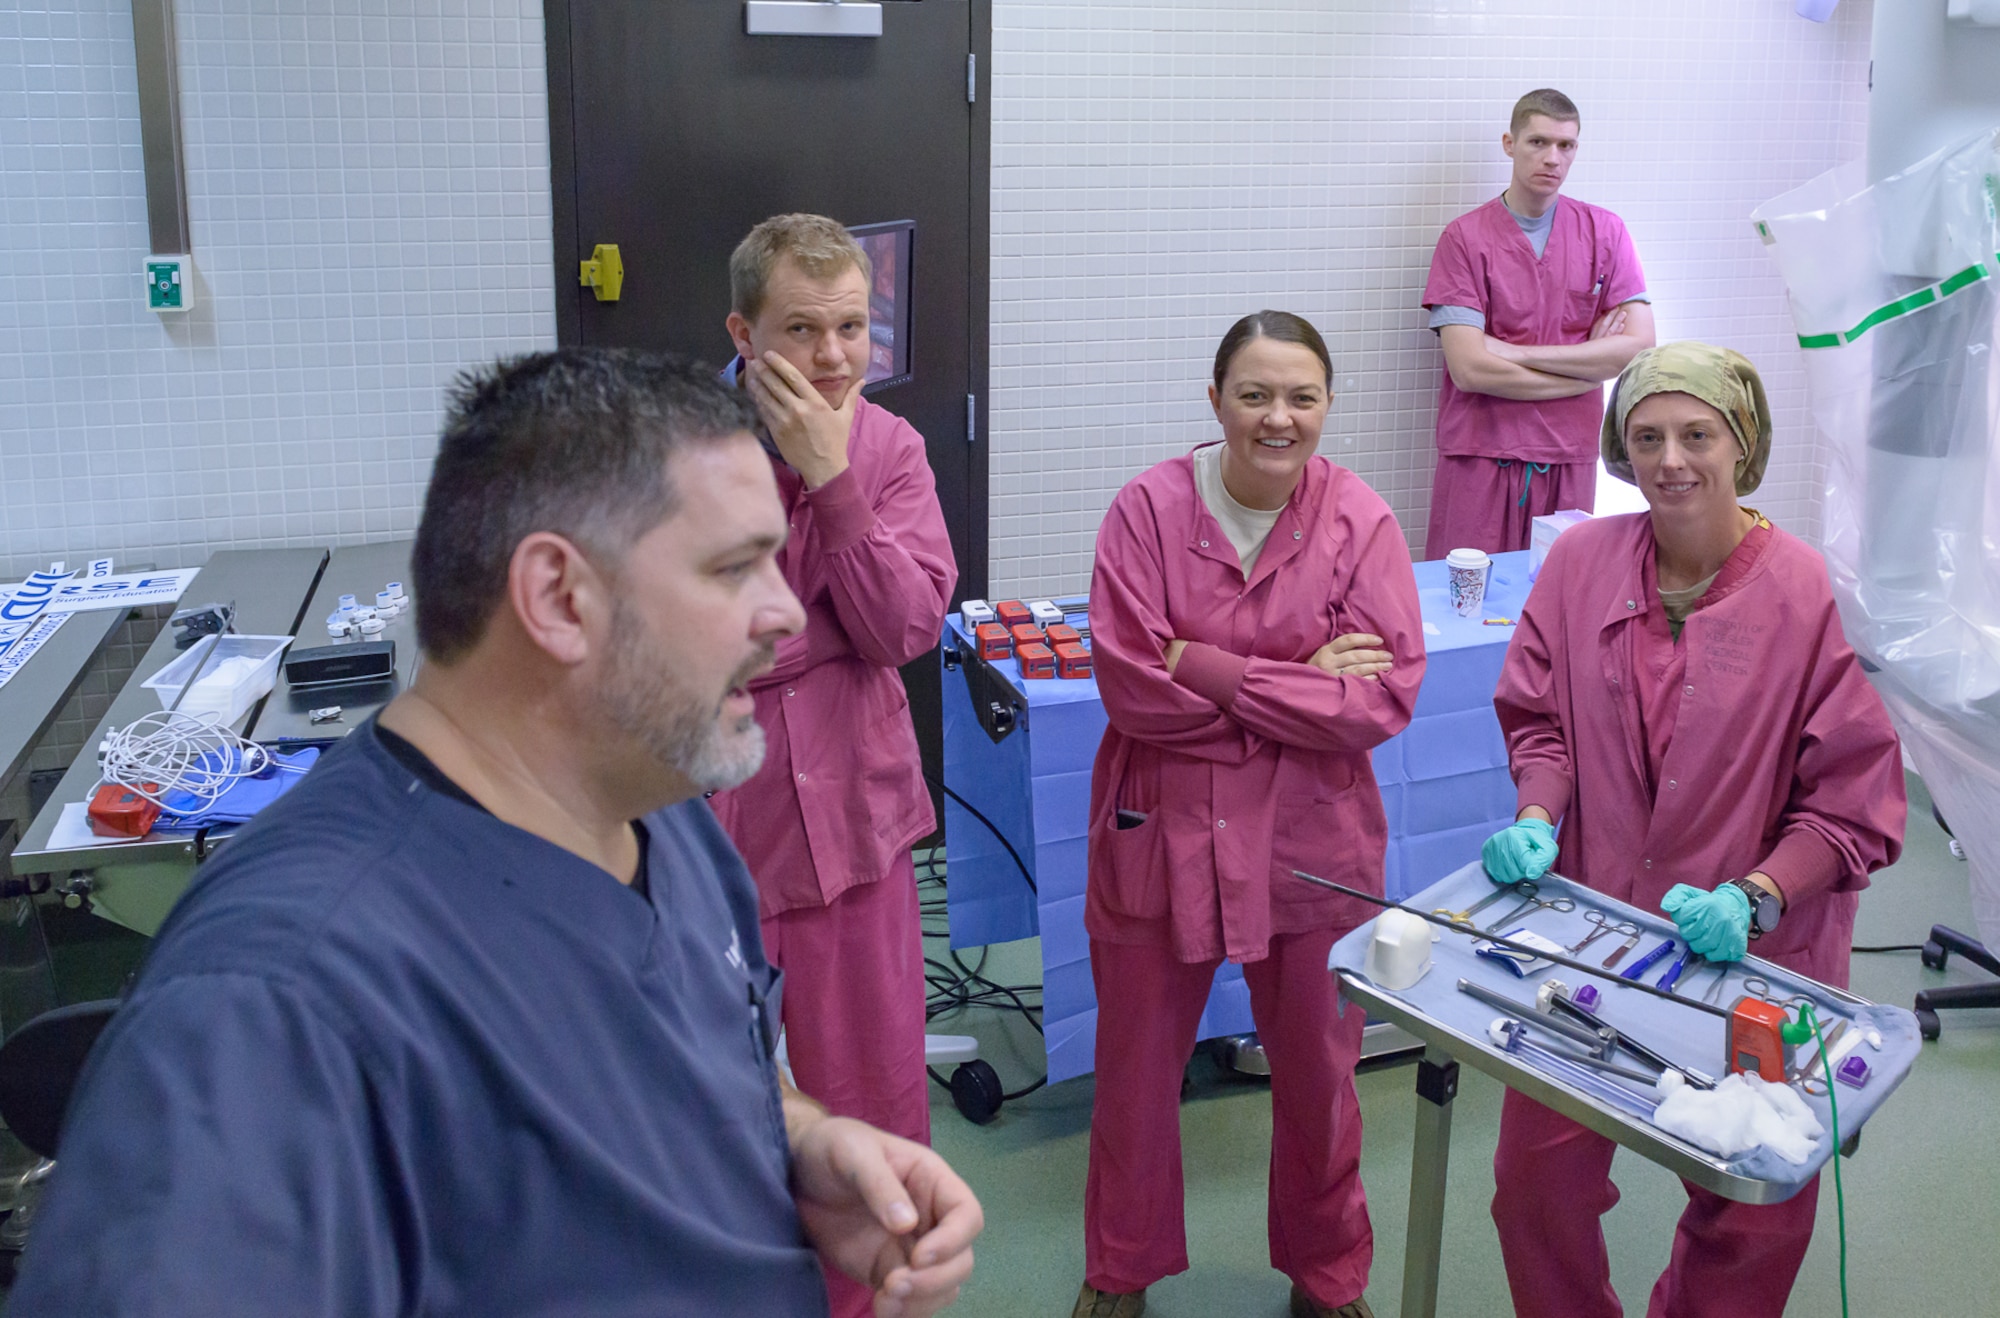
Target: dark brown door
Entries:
(673, 132)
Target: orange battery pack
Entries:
(1757, 1039)
(993, 641)
(1026, 633)
(1013, 613)
(1061, 634)
(117, 811)
(1037, 660)
(1072, 660)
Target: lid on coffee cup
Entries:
(1467, 558)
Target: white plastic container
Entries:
(1399, 954)
(226, 689)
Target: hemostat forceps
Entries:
(1604, 925)
(1525, 888)
(1536, 903)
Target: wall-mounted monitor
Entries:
(890, 247)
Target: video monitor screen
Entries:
(890, 246)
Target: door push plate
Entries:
(604, 272)
(812, 18)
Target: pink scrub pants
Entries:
(1553, 1181)
(1476, 503)
(1148, 1007)
(854, 1015)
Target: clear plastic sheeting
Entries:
(1895, 288)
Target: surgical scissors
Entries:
(1557, 904)
(1605, 925)
(1525, 888)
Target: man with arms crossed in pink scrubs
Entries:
(826, 825)
(1537, 300)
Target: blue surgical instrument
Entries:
(1651, 959)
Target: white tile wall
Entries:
(1161, 167)
(369, 194)
(368, 188)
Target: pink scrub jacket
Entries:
(841, 794)
(1773, 753)
(1245, 761)
(1752, 743)
(1485, 262)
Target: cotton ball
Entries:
(1669, 1081)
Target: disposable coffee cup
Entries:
(1467, 569)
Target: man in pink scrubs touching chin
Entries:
(1537, 299)
(826, 825)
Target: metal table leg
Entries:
(1437, 1085)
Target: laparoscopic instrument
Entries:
(1760, 1033)
(1554, 996)
(1580, 1026)
(1600, 1040)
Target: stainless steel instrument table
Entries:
(360, 571)
(29, 703)
(1451, 1025)
(135, 883)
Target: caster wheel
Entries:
(1935, 955)
(1927, 1024)
(975, 1091)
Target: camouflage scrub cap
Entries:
(1720, 377)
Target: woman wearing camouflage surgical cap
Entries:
(1680, 699)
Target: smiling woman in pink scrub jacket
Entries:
(1679, 697)
(1256, 631)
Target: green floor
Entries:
(1923, 1193)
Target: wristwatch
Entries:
(1765, 908)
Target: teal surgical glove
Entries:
(1523, 850)
(1715, 924)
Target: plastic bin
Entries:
(223, 695)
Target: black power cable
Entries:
(992, 828)
(956, 986)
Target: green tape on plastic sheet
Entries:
(1903, 306)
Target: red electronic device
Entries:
(1061, 634)
(993, 641)
(1026, 633)
(1072, 660)
(1037, 660)
(1012, 613)
(1761, 1037)
(118, 811)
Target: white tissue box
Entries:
(1544, 533)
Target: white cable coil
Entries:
(159, 754)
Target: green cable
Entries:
(1833, 1109)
